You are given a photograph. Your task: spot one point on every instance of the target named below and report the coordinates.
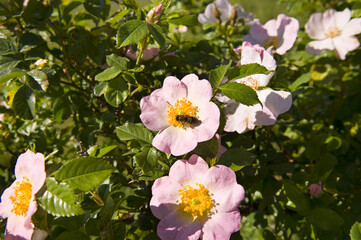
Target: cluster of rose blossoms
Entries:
(196, 201)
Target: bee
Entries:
(186, 119)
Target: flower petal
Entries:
(173, 89)
(225, 8)
(207, 16)
(342, 18)
(198, 91)
(178, 226)
(329, 19)
(209, 115)
(165, 194)
(222, 225)
(250, 55)
(314, 27)
(271, 27)
(343, 45)
(287, 28)
(227, 198)
(259, 34)
(189, 172)
(154, 112)
(6, 204)
(31, 165)
(274, 103)
(353, 27)
(315, 47)
(174, 140)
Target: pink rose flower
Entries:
(226, 11)
(240, 117)
(18, 201)
(148, 53)
(280, 34)
(196, 201)
(315, 190)
(333, 31)
(182, 113)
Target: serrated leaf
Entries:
(188, 20)
(245, 70)
(355, 233)
(157, 33)
(207, 149)
(131, 131)
(61, 109)
(106, 150)
(108, 74)
(236, 159)
(217, 75)
(325, 218)
(84, 173)
(295, 195)
(98, 8)
(118, 62)
(41, 78)
(131, 32)
(7, 46)
(240, 93)
(304, 78)
(59, 200)
(116, 92)
(100, 88)
(8, 74)
(147, 158)
(23, 103)
(8, 62)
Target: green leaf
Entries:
(296, 196)
(304, 78)
(118, 62)
(84, 173)
(116, 92)
(59, 200)
(207, 149)
(41, 78)
(355, 233)
(24, 103)
(236, 159)
(106, 150)
(100, 88)
(131, 131)
(188, 20)
(61, 109)
(98, 8)
(245, 70)
(147, 158)
(325, 219)
(240, 93)
(12, 73)
(72, 235)
(217, 75)
(108, 74)
(7, 46)
(131, 32)
(157, 33)
(8, 62)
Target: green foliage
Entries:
(240, 93)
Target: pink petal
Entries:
(31, 165)
(221, 182)
(314, 27)
(240, 117)
(207, 16)
(174, 140)
(178, 226)
(353, 27)
(165, 194)
(221, 225)
(250, 55)
(258, 33)
(343, 45)
(271, 27)
(199, 91)
(151, 106)
(209, 115)
(342, 18)
(225, 8)
(150, 53)
(173, 89)
(274, 104)
(6, 204)
(189, 172)
(287, 33)
(316, 47)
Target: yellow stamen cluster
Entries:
(333, 32)
(250, 82)
(271, 42)
(181, 107)
(21, 197)
(195, 201)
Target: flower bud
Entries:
(154, 14)
(315, 190)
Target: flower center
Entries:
(195, 201)
(271, 42)
(21, 197)
(333, 32)
(250, 82)
(183, 108)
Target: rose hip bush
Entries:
(179, 120)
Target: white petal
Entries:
(225, 8)
(342, 18)
(329, 19)
(250, 55)
(207, 16)
(314, 27)
(315, 47)
(353, 27)
(343, 45)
